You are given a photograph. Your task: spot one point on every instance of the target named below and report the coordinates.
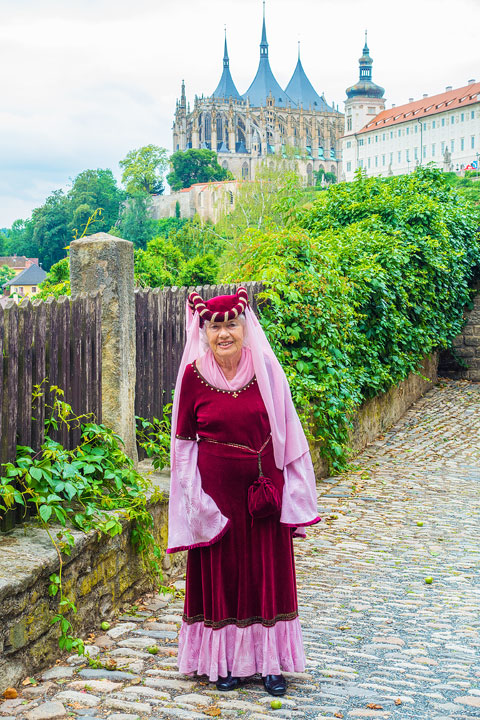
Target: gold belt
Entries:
(258, 453)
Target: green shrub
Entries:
(373, 275)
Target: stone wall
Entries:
(462, 360)
(100, 576)
(376, 415)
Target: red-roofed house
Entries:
(442, 129)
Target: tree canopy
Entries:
(192, 166)
(144, 170)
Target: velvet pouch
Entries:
(263, 498)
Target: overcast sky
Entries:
(85, 81)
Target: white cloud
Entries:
(86, 81)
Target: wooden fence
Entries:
(57, 342)
(160, 337)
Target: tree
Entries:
(93, 189)
(6, 273)
(135, 223)
(57, 281)
(199, 270)
(192, 166)
(159, 264)
(144, 170)
(50, 228)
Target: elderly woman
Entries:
(242, 486)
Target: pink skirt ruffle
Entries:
(242, 651)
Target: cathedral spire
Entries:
(263, 42)
(301, 90)
(264, 81)
(226, 87)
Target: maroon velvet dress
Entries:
(247, 578)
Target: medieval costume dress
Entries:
(237, 445)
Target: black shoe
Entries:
(275, 684)
(229, 682)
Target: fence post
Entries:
(104, 263)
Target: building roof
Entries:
(16, 261)
(264, 82)
(427, 106)
(365, 87)
(226, 87)
(32, 275)
(302, 92)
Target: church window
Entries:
(244, 171)
(472, 141)
(462, 143)
(349, 166)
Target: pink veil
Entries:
(194, 519)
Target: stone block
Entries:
(472, 340)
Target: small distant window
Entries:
(349, 166)
(462, 143)
(383, 136)
(391, 158)
(34, 289)
(376, 160)
(424, 151)
(349, 144)
(383, 159)
(462, 117)
(443, 122)
(433, 149)
(472, 141)
(399, 156)
(407, 131)
(452, 145)
(472, 115)
(433, 124)
(424, 126)
(368, 162)
(369, 140)
(360, 142)
(376, 138)
(391, 134)
(452, 119)
(416, 128)
(360, 163)
(443, 147)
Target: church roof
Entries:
(264, 81)
(226, 87)
(302, 92)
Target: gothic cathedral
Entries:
(265, 120)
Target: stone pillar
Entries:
(104, 263)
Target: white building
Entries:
(440, 129)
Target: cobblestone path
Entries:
(380, 641)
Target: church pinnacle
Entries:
(264, 83)
(226, 87)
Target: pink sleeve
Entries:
(194, 519)
(299, 500)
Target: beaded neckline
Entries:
(233, 393)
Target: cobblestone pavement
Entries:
(381, 642)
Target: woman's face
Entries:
(225, 339)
